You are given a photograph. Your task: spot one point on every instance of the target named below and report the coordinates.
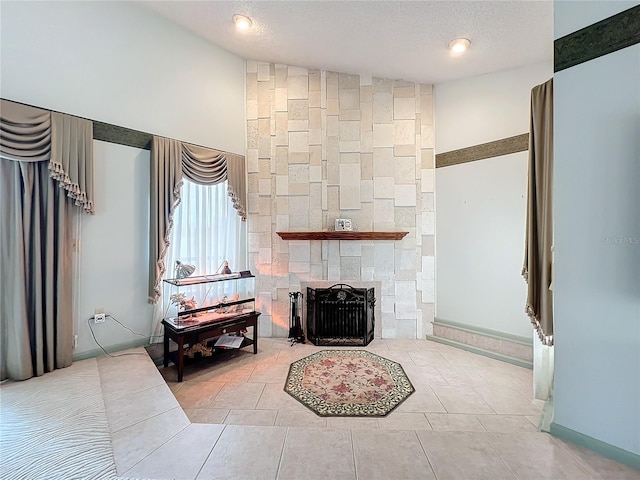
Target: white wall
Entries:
(120, 63)
(480, 214)
(114, 248)
(597, 240)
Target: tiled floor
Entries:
(471, 417)
(455, 390)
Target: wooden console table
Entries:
(193, 334)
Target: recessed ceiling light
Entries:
(242, 22)
(459, 46)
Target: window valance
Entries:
(171, 160)
(29, 134)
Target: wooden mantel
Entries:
(342, 235)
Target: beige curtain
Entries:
(537, 268)
(237, 187)
(170, 161)
(166, 181)
(36, 324)
(71, 145)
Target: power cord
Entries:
(124, 326)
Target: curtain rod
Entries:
(129, 137)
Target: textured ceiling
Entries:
(392, 39)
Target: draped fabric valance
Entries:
(25, 133)
(538, 259)
(172, 160)
(29, 134)
(203, 165)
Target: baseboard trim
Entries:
(485, 331)
(111, 349)
(481, 351)
(598, 446)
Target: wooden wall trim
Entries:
(518, 143)
(121, 135)
(606, 36)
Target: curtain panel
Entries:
(170, 161)
(166, 182)
(538, 258)
(46, 164)
(237, 186)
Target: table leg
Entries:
(255, 337)
(180, 357)
(166, 349)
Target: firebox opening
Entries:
(340, 315)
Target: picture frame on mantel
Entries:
(343, 225)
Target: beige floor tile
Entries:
(198, 394)
(424, 344)
(404, 421)
(400, 356)
(238, 395)
(270, 373)
(457, 375)
(454, 422)
(377, 344)
(295, 353)
(141, 374)
(428, 358)
(175, 386)
(352, 422)
(506, 423)
(384, 454)
(507, 402)
(421, 375)
(523, 452)
(505, 374)
(534, 419)
(245, 452)
(251, 417)
(462, 358)
(462, 455)
(222, 370)
(422, 400)
(274, 397)
(300, 418)
(401, 344)
(125, 411)
(181, 457)
(327, 454)
(206, 415)
(461, 399)
(599, 466)
(132, 444)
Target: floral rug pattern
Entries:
(348, 383)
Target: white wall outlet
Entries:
(99, 318)
(75, 341)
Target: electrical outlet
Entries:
(99, 318)
(75, 341)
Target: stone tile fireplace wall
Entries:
(324, 145)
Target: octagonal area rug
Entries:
(348, 383)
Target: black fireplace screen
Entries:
(340, 315)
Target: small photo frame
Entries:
(343, 225)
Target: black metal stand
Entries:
(296, 332)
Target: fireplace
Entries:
(340, 315)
